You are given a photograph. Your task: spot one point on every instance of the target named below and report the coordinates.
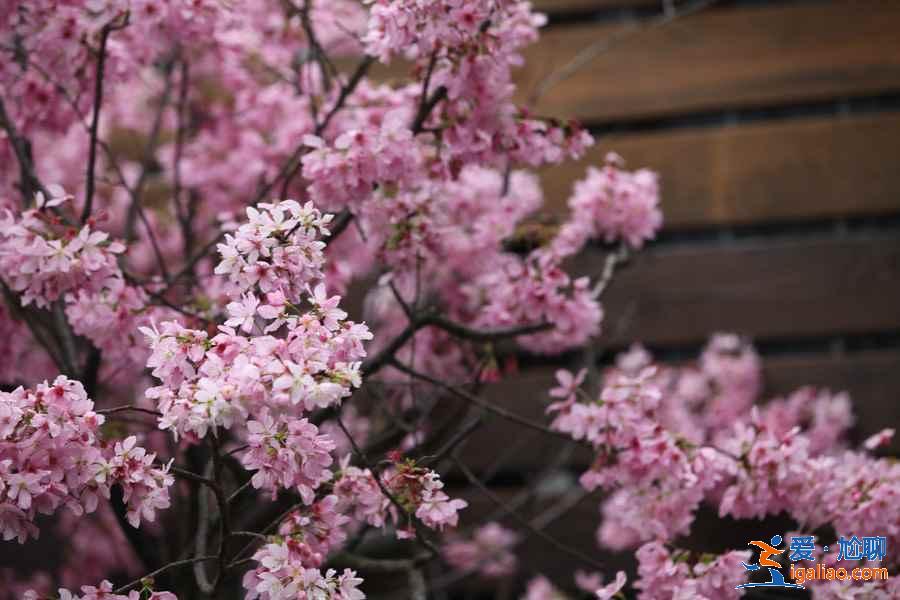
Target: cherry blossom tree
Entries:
(196, 196)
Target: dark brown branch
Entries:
(128, 407)
(95, 119)
(92, 371)
(386, 355)
(407, 309)
(426, 107)
(361, 69)
(326, 67)
(39, 327)
(500, 412)
(190, 475)
(222, 501)
(341, 221)
(375, 363)
(22, 149)
(157, 252)
(476, 335)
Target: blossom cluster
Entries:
(420, 28)
(103, 592)
(664, 576)
(44, 259)
(417, 491)
(280, 578)
(287, 453)
(541, 588)
(669, 439)
(52, 456)
(288, 565)
(209, 382)
(346, 172)
(360, 495)
(61, 40)
(489, 552)
(277, 250)
(420, 492)
(614, 205)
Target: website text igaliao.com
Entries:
(822, 573)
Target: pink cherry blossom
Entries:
(489, 552)
(52, 456)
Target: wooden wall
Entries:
(775, 126)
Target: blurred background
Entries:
(775, 128)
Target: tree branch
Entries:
(163, 569)
(426, 107)
(573, 552)
(22, 149)
(95, 120)
(128, 407)
(501, 412)
(387, 494)
(375, 363)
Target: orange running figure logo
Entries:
(765, 552)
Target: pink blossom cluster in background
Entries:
(52, 456)
(664, 447)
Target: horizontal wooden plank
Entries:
(720, 58)
(586, 6)
(768, 290)
(761, 172)
(872, 378)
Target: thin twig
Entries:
(387, 494)
(613, 260)
(293, 164)
(373, 364)
(501, 412)
(234, 495)
(128, 407)
(524, 522)
(136, 193)
(163, 569)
